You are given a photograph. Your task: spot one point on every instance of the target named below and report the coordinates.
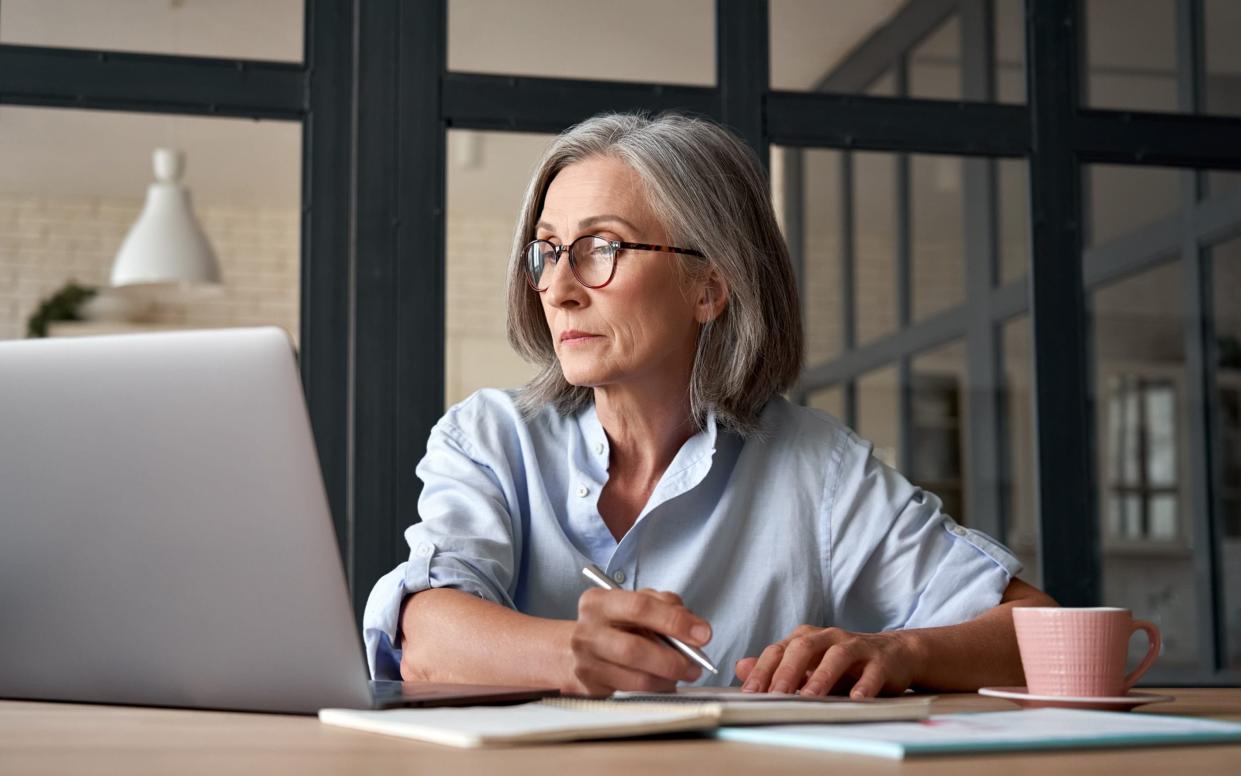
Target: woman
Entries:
(654, 443)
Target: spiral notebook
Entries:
(631, 715)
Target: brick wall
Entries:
(45, 242)
(477, 353)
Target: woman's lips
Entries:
(572, 337)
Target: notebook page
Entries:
(479, 726)
(739, 708)
(735, 695)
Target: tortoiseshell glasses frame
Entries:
(592, 259)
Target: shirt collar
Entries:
(697, 449)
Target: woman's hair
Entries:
(711, 194)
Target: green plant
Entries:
(64, 305)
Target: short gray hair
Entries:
(711, 194)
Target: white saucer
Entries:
(1022, 697)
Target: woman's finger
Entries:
(744, 666)
(636, 651)
(870, 682)
(664, 595)
(635, 609)
(836, 661)
(802, 630)
(602, 678)
(800, 654)
(764, 667)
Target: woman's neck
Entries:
(645, 428)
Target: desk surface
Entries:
(38, 738)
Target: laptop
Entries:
(165, 536)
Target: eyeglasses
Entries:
(592, 259)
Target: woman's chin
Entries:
(582, 376)
(580, 381)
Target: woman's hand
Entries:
(817, 661)
(614, 647)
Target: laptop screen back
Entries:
(164, 534)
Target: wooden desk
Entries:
(38, 738)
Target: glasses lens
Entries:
(592, 260)
(540, 258)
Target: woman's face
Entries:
(644, 323)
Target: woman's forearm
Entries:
(977, 653)
(451, 636)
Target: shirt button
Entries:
(582, 491)
(960, 530)
(619, 576)
(599, 448)
(424, 550)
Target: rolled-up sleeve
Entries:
(898, 561)
(466, 540)
(379, 625)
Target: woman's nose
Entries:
(563, 289)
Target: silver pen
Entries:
(596, 575)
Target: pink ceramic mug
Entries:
(1080, 652)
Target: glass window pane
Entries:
(1014, 214)
(1133, 527)
(1221, 182)
(812, 39)
(1131, 54)
(1221, 27)
(1226, 279)
(1148, 566)
(878, 413)
(1120, 199)
(830, 45)
(1010, 51)
(874, 226)
(830, 400)
(935, 64)
(883, 86)
(937, 239)
(1164, 516)
(819, 216)
(487, 176)
(1160, 410)
(75, 182)
(1123, 429)
(1017, 397)
(938, 436)
(639, 40)
(235, 29)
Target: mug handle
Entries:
(1152, 652)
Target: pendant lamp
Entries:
(166, 245)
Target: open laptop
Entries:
(165, 536)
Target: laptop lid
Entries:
(164, 532)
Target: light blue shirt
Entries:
(801, 524)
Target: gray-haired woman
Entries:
(655, 444)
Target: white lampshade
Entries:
(166, 243)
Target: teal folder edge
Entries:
(895, 750)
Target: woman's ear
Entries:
(712, 298)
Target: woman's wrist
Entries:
(562, 671)
(915, 649)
